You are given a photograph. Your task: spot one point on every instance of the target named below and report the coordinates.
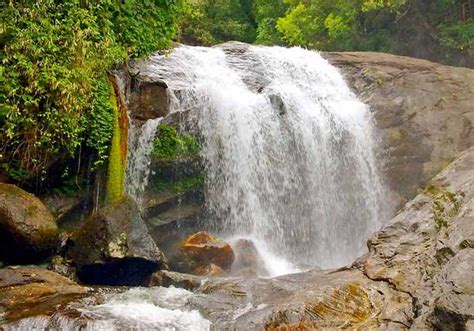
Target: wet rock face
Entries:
(203, 254)
(115, 241)
(28, 230)
(427, 251)
(423, 110)
(26, 292)
(248, 261)
(308, 301)
(146, 99)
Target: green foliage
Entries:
(170, 145)
(428, 29)
(419, 28)
(53, 85)
(459, 36)
(337, 24)
(98, 122)
(208, 22)
(266, 14)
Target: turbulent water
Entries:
(157, 308)
(289, 150)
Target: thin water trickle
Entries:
(289, 150)
(139, 158)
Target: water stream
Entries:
(140, 146)
(289, 150)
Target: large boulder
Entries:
(115, 248)
(204, 254)
(427, 250)
(28, 230)
(27, 292)
(422, 109)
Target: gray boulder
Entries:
(115, 248)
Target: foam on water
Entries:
(156, 308)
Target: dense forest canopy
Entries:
(55, 96)
(439, 30)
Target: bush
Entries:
(170, 145)
(54, 92)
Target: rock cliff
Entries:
(424, 110)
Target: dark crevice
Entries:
(122, 272)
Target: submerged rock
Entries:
(115, 248)
(167, 278)
(28, 230)
(204, 254)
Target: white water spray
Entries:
(289, 150)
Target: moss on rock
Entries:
(118, 150)
(170, 145)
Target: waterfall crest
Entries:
(289, 150)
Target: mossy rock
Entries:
(28, 230)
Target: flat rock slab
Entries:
(27, 292)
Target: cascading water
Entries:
(139, 158)
(289, 150)
(289, 154)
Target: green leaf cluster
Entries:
(54, 91)
(169, 145)
(420, 28)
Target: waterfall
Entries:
(289, 150)
(140, 146)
